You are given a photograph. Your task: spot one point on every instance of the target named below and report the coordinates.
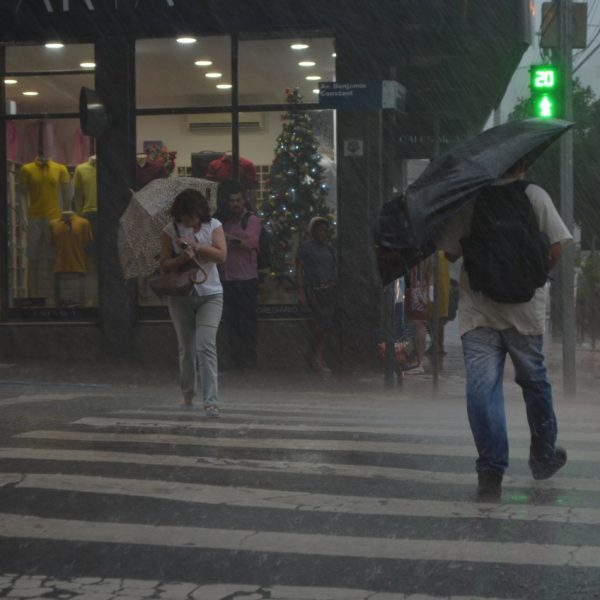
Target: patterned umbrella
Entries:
(146, 216)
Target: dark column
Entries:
(360, 191)
(4, 291)
(115, 84)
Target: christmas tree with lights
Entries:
(296, 188)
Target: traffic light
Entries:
(544, 84)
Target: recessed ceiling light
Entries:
(334, 54)
(224, 86)
(30, 93)
(313, 77)
(213, 75)
(316, 91)
(54, 45)
(307, 63)
(87, 65)
(203, 63)
(299, 46)
(186, 40)
(10, 81)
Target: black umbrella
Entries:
(409, 223)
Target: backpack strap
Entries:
(245, 219)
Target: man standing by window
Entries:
(239, 277)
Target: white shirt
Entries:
(212, 285)
(476, 309)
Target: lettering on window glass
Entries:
(65, 5)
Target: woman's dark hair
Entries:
(190, 203)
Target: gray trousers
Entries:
(196, 320)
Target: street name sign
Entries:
(366, 95)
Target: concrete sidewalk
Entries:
(451, 378)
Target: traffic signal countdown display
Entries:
(544, 84)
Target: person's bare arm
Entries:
(555, 253)
(215, 252)
(168, 260)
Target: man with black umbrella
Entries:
(498, 316)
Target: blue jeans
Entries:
(485, 353)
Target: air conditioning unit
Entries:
(216, 121)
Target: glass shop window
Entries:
(269, 67)
(52, 220)
(42, 79)
(51, 189)
(292, 155)
(195, 73)
(179, 146)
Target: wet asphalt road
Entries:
(303, 491)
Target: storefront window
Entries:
(47, 80)
(170, 74)
(200, 144)
(192, 142)
(295, 180)
(51, 186)
(269, 67)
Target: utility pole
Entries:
(567, 262)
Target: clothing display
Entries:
(85, 186)
(42, 179)
(221, 170)
(148, 171)
(69, 236)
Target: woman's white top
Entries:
(204, 236)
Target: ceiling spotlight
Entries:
(224, 86)
(54, 45)
(307, 63)
(213, 75)
(313, 77)
(334, 54)
(10, 81)
(299, 46)
(186, 40)
(203, 63)
(30, 93)
(87, 65)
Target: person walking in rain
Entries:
(196, 317)
(490, 329)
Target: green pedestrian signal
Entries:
(545, 89)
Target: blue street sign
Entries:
(364, 95)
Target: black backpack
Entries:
(506, 256)
(263, 256)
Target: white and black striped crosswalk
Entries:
(292, 497)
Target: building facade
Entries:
(220, 95)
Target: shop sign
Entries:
(364, 95)
(420, 145)
(282, 311)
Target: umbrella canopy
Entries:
(409, 223)
(146, 216)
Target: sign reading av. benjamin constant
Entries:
(362, 95)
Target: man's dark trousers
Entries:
(240, 301)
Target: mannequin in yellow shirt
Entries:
(44, 192)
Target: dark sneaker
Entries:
(490, 485)
(545, 470)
